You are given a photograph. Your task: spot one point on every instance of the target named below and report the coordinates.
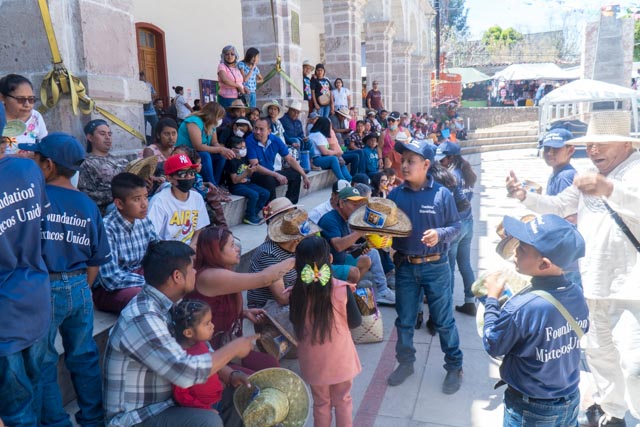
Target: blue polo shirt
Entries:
(430, 207)
(73, 236)
(561, 180)
(25, 294)
(333, 225)
(266, 155)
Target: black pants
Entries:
(270, 183)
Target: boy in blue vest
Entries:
(74, 245)
(540, 344)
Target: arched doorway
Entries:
(152, 58)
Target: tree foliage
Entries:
(455, 16)
(497, 37)
(636, 41)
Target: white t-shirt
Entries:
(318, 139)
(318, 212)
(181, 108)
(340, 97)
(36, 130)
(177, 220)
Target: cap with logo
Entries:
(394, 115)
(63, 149)
(176, 163)
(350, 193)
(554, 237)
(556, 138)
(421, 148)
(445, 149)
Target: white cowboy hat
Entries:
(295, 105)
(607, 127)
(344, 112)
(265, 108)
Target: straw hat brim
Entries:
(402, 228)
(265, 109)
(144, 168)
(507, 246)
(274, 312)
(343, 114)
(284, 380)
(14, 128)
(278, 236)
(603, 139)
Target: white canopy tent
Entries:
(469, 74)
(575, 100)
(541, 71)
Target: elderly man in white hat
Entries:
(607, 199)
(293, 128)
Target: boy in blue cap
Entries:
(538, 330)
(74, 245)
(557, 154)
(421, 262)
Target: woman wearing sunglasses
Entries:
(16, 93)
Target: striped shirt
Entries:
(128, 244)
(143, 360)
(266, 255)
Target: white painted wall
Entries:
(311, 26)
(195, 33)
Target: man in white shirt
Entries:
(610, 270)
(179, 212)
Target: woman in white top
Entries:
(183, 108)
(341, 96)
(323, 156)
(16, 93)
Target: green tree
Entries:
(497, 37)
(636, 41)
(455, 15)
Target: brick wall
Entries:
(489, 117)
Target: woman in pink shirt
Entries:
(230, 78)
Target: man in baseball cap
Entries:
(179, 212)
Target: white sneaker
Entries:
(386, 297)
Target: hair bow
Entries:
(312, 274)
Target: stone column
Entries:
(402, 77)
(379, 45)
(342, 28)
(419, 83)
(257, 31)
(97, 42)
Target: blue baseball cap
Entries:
(63, 149)
(421, 148)
(556, 138)
(554, 237)
(445, 149)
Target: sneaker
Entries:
(467, 308)
(419, 320)
(386, 297)
(364, 283)
(452, 381)
(609, 421)
(402, 372)
(431, 328)
(590, 416)
(252, 220)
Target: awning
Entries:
(542, 71)
(469, 75)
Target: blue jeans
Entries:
(376, 270)
(225, 102)
(460, 251)
(332, 162)
(212, 167)
(251, 97)
(20, 385)
(257, 197)
(152, 119)
(434, 278)
(356, 159)
(528, 412)
(324, 111)
(72, 314)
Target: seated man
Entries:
(262, 148)
(129, 232)
(143, 360)
(293, 129)
(178, 212)
(336, 231)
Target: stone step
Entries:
(492, 133)
(498, 140)
(498, 147)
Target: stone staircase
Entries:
(504, 137)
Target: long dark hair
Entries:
(209, 248)
(443, 177)
(468, 174)
(312, 300)
(251, 53)
(165, 122)
(375, 183)
(322, 125)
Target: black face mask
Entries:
(185, 185)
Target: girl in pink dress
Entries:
(322, 310)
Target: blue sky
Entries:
(528, 16)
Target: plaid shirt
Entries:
(128, 244)
(142, 360)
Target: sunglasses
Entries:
(185, 173)
(23, 99)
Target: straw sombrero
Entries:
(282, 399)
(381, 216)
(144, 168)
(277, 206)
(344, 112)
(508, 244)
(14, 128)
(500, 227)
(293, 225)
(265, 108)
(607, 127)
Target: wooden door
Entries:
(148, 56)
